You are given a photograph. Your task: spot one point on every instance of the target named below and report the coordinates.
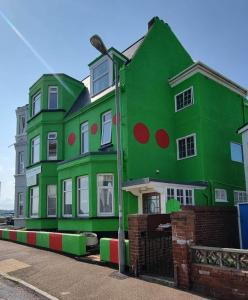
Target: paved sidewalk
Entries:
(66, 278)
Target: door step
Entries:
(158, 279)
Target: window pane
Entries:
(100, 70)
(180, 195)
(236, 152)
(36, 104)
(85, 138)
(67, 197)
(20, 204)
(184, 99)
(101, 84)
(51, 200)
(53, 98)
(182, 148)
(83, 195)
(105, 193)
(188, 197)
(21, 162)
(190, 146)
(52, 149)
(106, 128)
(34, 197)
(170, 194)
(151, 204)
(35, 150)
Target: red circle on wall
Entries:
(94, 128)
(141, 133)
(162, 138)
(71, 138)
(114, 119)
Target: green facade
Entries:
(147, 98)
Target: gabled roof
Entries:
(200, 67)
(82, 100)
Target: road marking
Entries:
(10, 265)
(28, 285)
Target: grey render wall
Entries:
(20, 179)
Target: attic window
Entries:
(101, 75)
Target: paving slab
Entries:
(69, 279)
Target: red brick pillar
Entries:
(183, 235)
(137, 228)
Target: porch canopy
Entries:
(167, 189)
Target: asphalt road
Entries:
(69, 279)
(12, 291)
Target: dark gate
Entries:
(158, 254)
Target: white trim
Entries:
(78, 200)
(203, 69)
(243, 129)
(182, 92)
(57, 92)
(52, 216)
(220, 200)
(195, 146)
(63, 198)
(98, 196)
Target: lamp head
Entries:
(97, 43)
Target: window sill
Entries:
(106, 147)
(221, 201)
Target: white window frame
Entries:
(103, 124)
(49, 91)
(195, 146)
(109, 72)
(242, 152)
(110, 214)
(236, 192)
(184, 189)
(192, 98)
(63, 197)
(31, 198)
(32, 149)
(52, 139)
(84, 131)
(52, 216)
(217, 190)
(34, 101)
(78, 196)
(18, 204)
(20, 163)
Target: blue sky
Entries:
(58, 32)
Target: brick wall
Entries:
(205, 226)
(220, 283)
(216, 226)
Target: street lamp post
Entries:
(97, 42)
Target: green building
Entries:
(178, 125)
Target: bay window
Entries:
(36, 101)
(52, 146)
(105, 187)
(53, 97)
(83, 195)
(67, 198)
(51, 200)
(34, 201)
(184, 195)
(35, 150)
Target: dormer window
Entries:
(101, 75)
